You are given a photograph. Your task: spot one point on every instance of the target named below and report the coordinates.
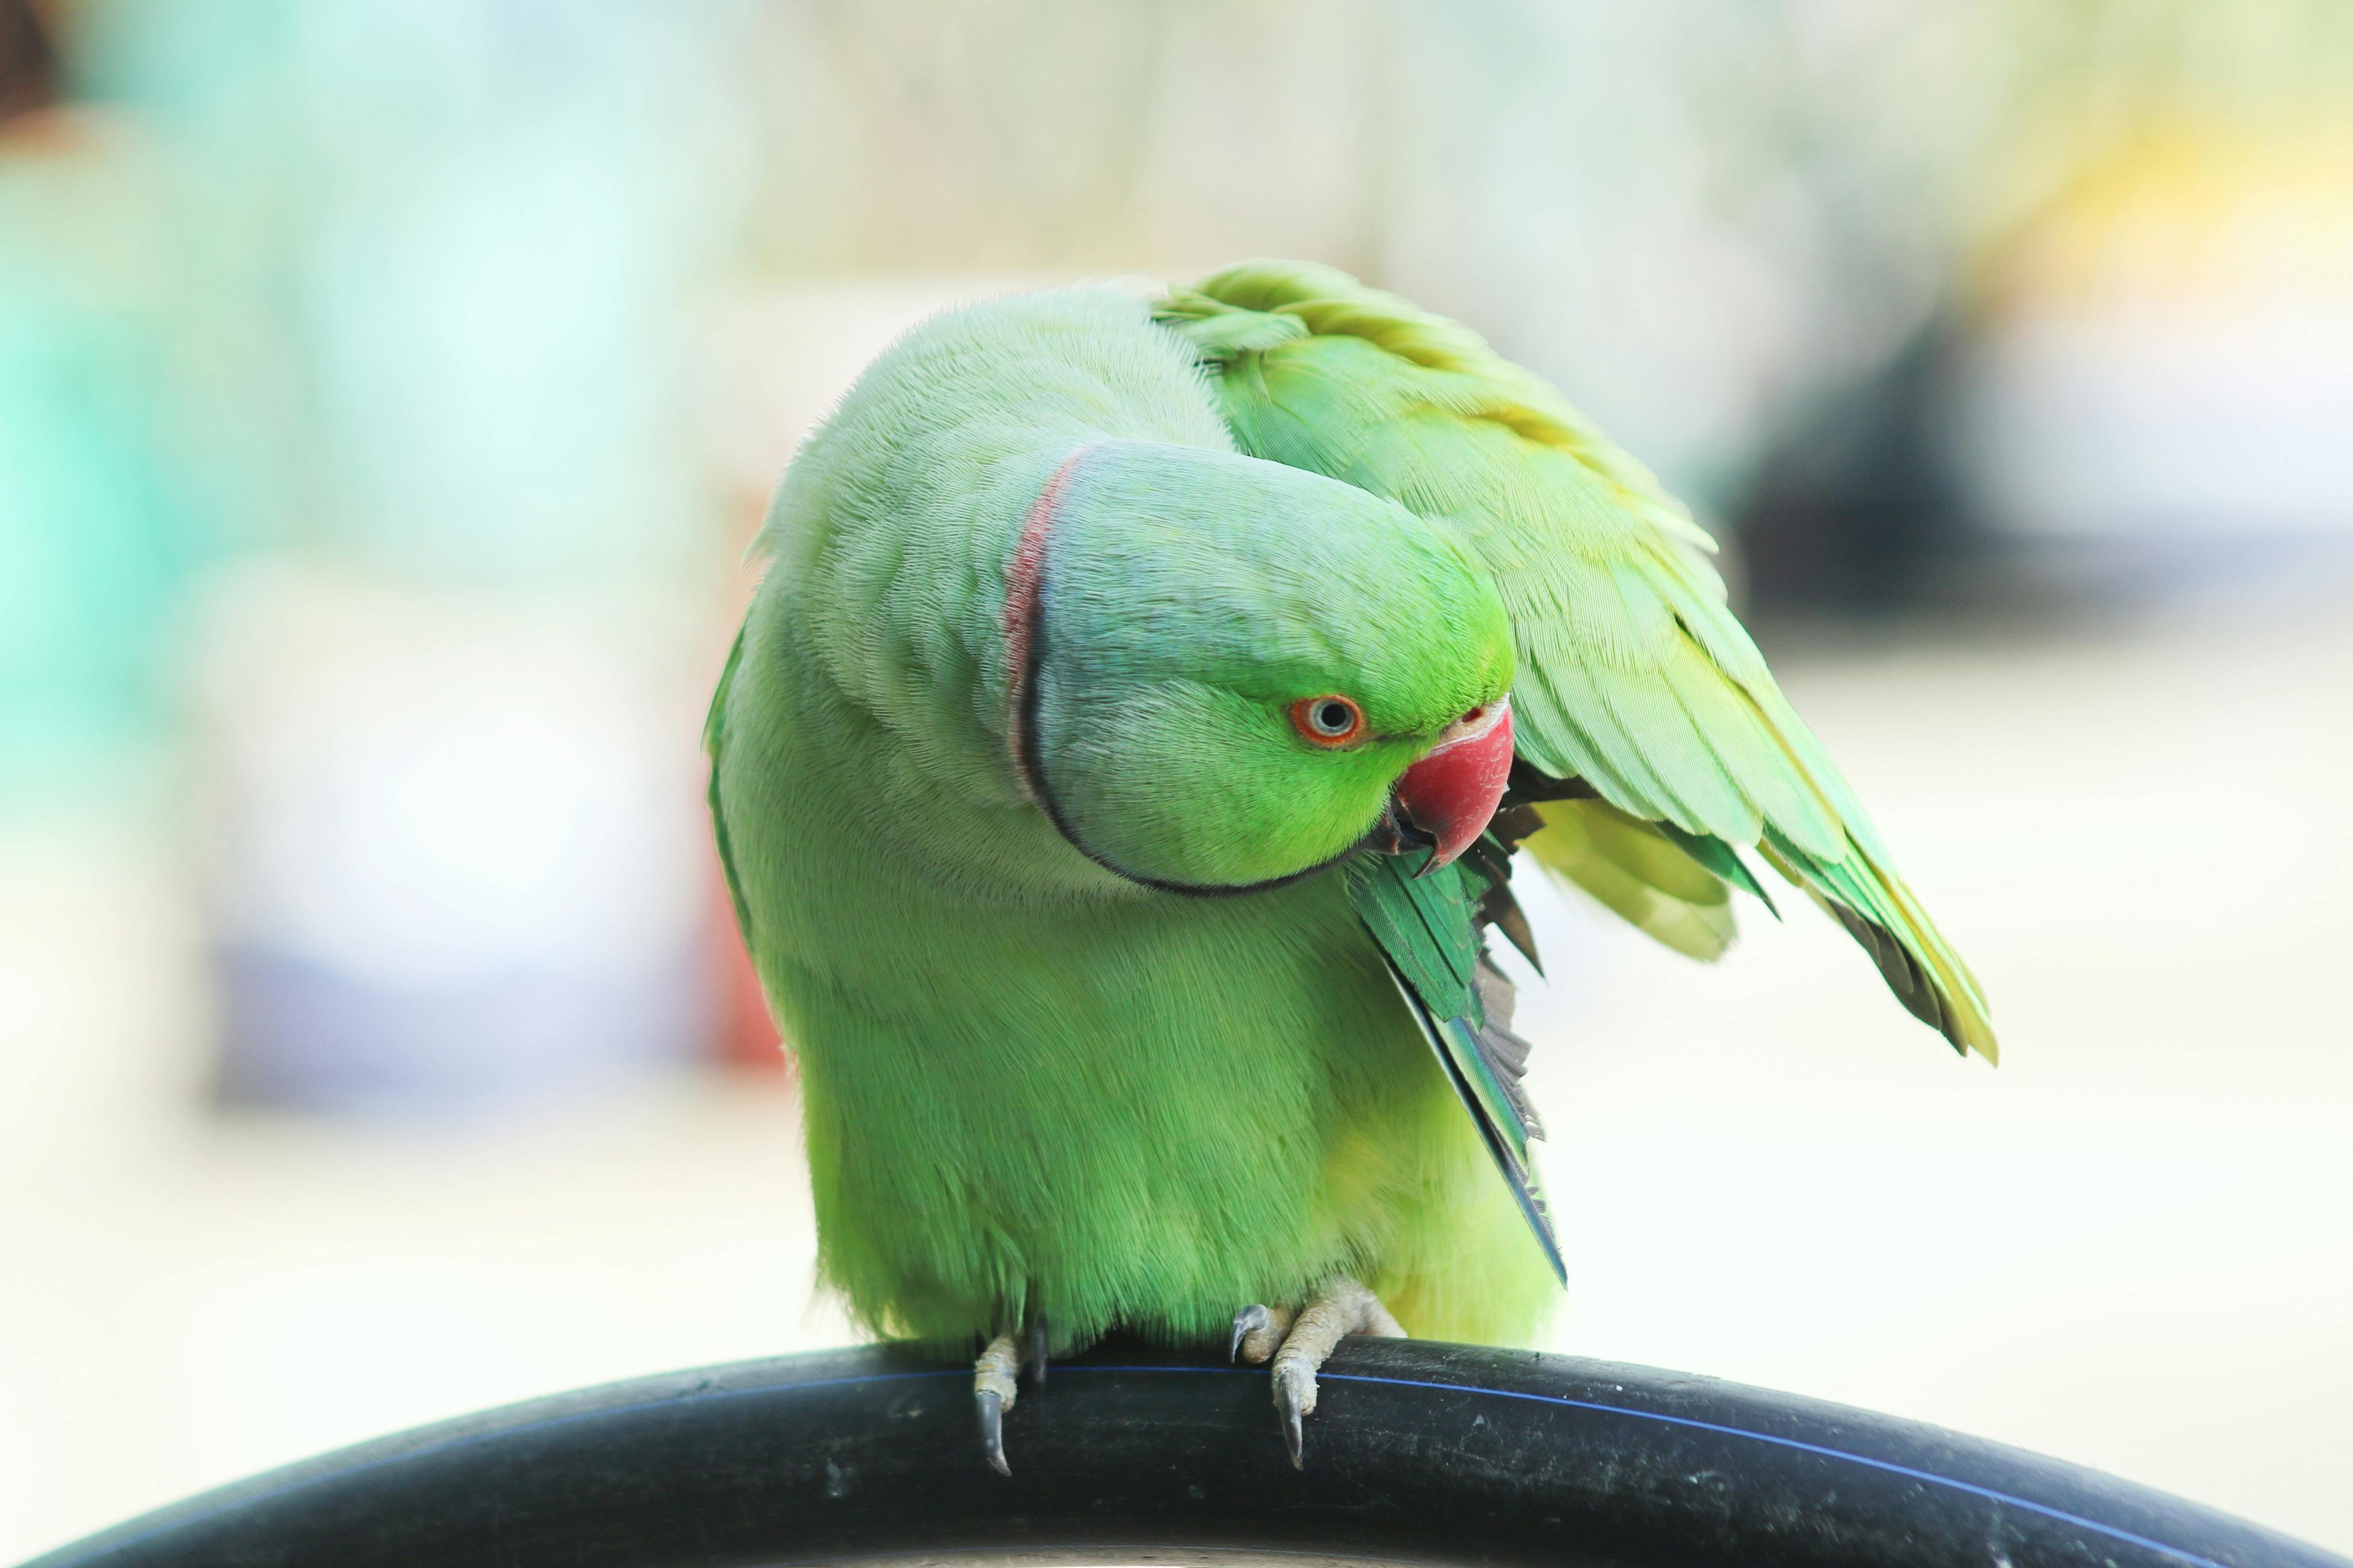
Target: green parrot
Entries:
(1123, 762)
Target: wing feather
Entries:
(1431, 930)
(1635, 677)
(1652, 882)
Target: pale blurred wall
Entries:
(1700, 218)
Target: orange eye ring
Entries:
(1330, 721)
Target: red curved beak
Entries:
(1451, 793)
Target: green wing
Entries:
(1431, 931)
(1634, 679)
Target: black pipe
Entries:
(1421, 1451)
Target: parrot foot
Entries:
(995, 1386)
(1305, 1338)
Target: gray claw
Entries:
(1247, 1322)
(1038, 1352)
(991, 1405)
(1294, 1436)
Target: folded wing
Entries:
(1635, 680)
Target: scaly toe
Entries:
(1341, 1309)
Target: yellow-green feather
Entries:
(1638, 873)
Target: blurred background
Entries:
(388, 389)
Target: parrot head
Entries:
(1227, 673)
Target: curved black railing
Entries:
(1419, 1451)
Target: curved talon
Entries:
(1340, 1309)
(991, 1407)
(1259, 1333)
(1295, 1401)
(994, 1390)
(1252, 1318)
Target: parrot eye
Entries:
(1327, 720)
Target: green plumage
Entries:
(1104, 1017)
(1634, 676)
(1431, 930)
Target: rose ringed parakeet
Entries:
(1108, 777)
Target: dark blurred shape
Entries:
(2135, 391)
(29, 63)
(1856, 506)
